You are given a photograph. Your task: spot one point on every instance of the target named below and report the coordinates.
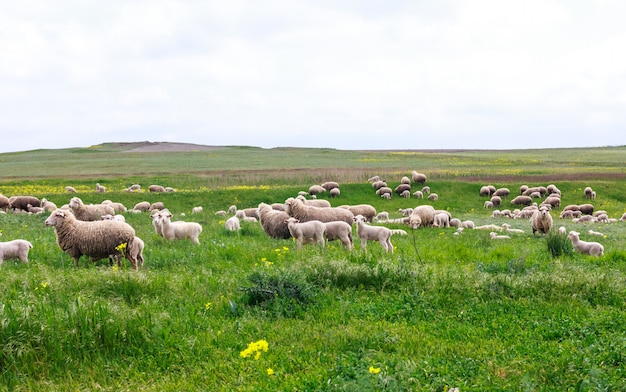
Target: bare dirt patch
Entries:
(170, 147)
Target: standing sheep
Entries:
(304, 213)
(91, 212)
(4, 203)
(94, 239)
(156, 188)
(305, 232)
(338, 230)
(22, 202)
(422, 216)
(16, 249)
(589, 248)
(273, 222)
(334, 192)
(179, 230)
(232, 224)
(100, 188)
(316, 190)
(142, 206)
(541, 220)
(381, 234)
(522, 200)
(418, 178)
(328, 185)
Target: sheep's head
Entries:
(75, 202)
(573, 235)
(57, 217)
(359, 219)
(415, 221)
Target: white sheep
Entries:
(305, 232)
(179, 230)
(134, 250)
(433, 197)
(339, 230)
(381, 234)
(334, 192)
(90, 212)
(383, 215)
(541, 220)
(232, 224)
(506, 227)
(495, 236)
(100, 188)
(441, 220)
(418, 194)
(16, 249)
(70, 189)
(196, 210)
(562, 230)
(596, 233)
(589, 248)
(117, 217)
(468, 224)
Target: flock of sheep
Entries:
(99, 231)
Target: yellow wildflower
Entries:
(270, 371)
(254, 348)
(374, 370)
(207, 306)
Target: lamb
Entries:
(304, 213)
(118, 207)
(589, 248)
(196, 210)
(562, 230)
(91, 212)
(623, 218)
(489, 227)
(433, 197)
(134, 251)
(495, 236)
(597, 233)
(418, 194)
(334, 192)
(602, 218)
(48, 205)
(100, 188)
(422, 216)
(328, 185)
(95, 239)
(386, 196)
(232, 209)
(383, 215)
(70, 189)
(232, 224)
(273, 222)
(304, 232)
(156, 188)
(179, 230)
(405, 211)
(381, 234)
(406, 194)
(455, 222)
(16, 249)
(22, 202)
(34, 210)
(156, 221)
(338, 230)
(316, 190)
(541, 220)
(251, 211)
(418, 178)
(367, 210)
(117, 217)
(506, 227)
(441, 220)
(488, 204)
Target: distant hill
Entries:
(161, 146)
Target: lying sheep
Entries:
(156, 188)
(34, 210)
(589, 248)
(495, 236)
(304, 213)
(169, 189)
(16, 249)
(507, 228)
(118, 207)
(179, 230)
(338, 230)
(117, 217)
(273, 222)
(541, 220)
(381, 234)
(422, 216)
(305, 232)
(313, 202)
(90, 212)
(232, 224)
(94, 239)
(596, 233)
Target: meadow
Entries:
(246, 312)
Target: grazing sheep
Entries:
(70, 189)
(468, 224)
(495, 236)
(441, 220)
(426, 190)
(117, 217)
(338, 230)
(305, 232)
(597, 233)
(405, 180)
(586, 209)
(179, 230)
(94, 239)
(541, 220)
(297, 209)
(16, 249)
(91, 212)
(273, 222)
(381, 234)
(169, 189)
(367, 210)
(133, 188)
(488, 204)
(418, 178)
(379, 184)
(328, 185)
(523, 189)
(589, 248)
(386, 196)
(142, 206)
(316, 190)
(496, 201)
(4, 203)
(196, 210)
(418, 194)
(313, 202)
(422, 216)
(334, 192)
(489, 227)
(484, 191)
(383, 190)
(100, 188)
(21, 202)
(552, 201)
(406, 194)
(502, 192)
(433, 197)
(156, 188)
(506, 227)
(383, 215)
(134, 251)
(402, 187)
(157, 205)
(602, 218)
(522, 200)
(232, 224)
(118, 207)
(455, 222)
(588, 192)
(373, 179)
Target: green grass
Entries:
(442, 311)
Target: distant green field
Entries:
(443, 311)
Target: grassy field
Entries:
(443, 311)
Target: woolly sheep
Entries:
(402, 187)
(133, 188)
(305, 232)
(169, 189)
(623, 218)
(490, 227)
(484, 191)
(553, 201)
(507, 228)
(418, 178)
(383, 215)
(304, 213)
(422, 216)
(381, 234)
(602, 218)
(70, 189)
(588, 192)
(570, 214)
(22, 202)
(48, 205)
(386, 196)
(4, 203)
(34, 210)
(316, 190)
(379, 184)
(405, 211)
(373, 179)
(367, 210)
(90, 212)
(541, 221)
(338, 230)
(232, 224)
(495, 236)
(586, 209)
(596, 233)
(117, 217)
(157, 205)
(496, 201)
(250, 211)
(142, 206)
(100, 188)
(406, 194)
(16, 249)
(118, 207)
(522, 200)
(418, 194)
(585, 219)
(502, 192)
(468, 224)
(441, 220)
(433, 197)
(232, 209)
(273, 222)
(250, 219)
(179, 230)
(383, 190)
(196, 210)
(426, 190)
(589, 248)
(455, 222)
(328, 185)
(334, 192)
(523, 189)
(134, 251)
(94, 239)
(156, 188)
(314, 202)
(488, 204)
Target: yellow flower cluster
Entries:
(374, 370)
(255, 348)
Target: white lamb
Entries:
(375, 233)
(196, 210)
(16, 249)
(305, 232)
(232, 224)
(495, 236)
(590, 248)
(339, 230)
(116, 217)
(506, 227)
(179, 230)
(597, 233)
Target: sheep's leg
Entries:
(363, 243)
(24, 259)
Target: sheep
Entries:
(334, 192)
(406, 194)
(488, 204)
(179, 230)
(623, 218)
(196, 210)
(367, 210)
(22, 202)
(316, 190)
(169, 189)
(4, 203)
(373, 179)
(418, 194)
(47, 205)
(156, 188)
(589, 248)
(502, 192)
(16, 249)
(383, 215)
(441, 220)
(94, 239)
(495, 236)
(118, 207)
(133, 188)
(522, 200)
(70, 189)
(418, 178)
(142, 206)
(496, 201)
(523, 189)
(273, 222)
(304, 213)
(584, 219)
(422, 216)
(232, 209)
(383, 190)
(405, 211)
(278, 206)
(328, 185)
(489, 227)
(386, 196)
(117, 217)
(250, 211)
(232, 224)
(570, 214)
(34, 210)
(338, 230)
(591, 232)
(157, 205)
(134, 251)
(562, 230)
(402, 187)
(433, 197)
(586, 209)
(602, 218)
(91, 212)
(250, 219)
(484, 191)
(458, 231)
(552, 201)
(455, 222)
(468, 224)
(304, 232)
(426, 190)
(156, 221)
(379, 184)
(100, 188)
(506, 227)
(381, 234)
(541, 220)
(588, 192)
(314, 202)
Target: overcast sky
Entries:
(348, 74)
